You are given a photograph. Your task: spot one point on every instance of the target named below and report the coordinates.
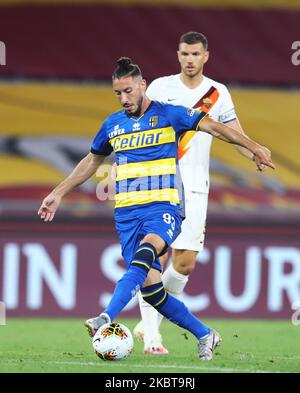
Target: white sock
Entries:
(174, 283)
(149, 318)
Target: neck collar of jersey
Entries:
(135, 118)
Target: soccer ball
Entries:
(113, 341)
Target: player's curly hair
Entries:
(193, 37)
(125, 67)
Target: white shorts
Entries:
(193, 227)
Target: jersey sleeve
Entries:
(227, 111)
(182, 118)
(100, 143)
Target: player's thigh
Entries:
(130, 236)
(163, 221)
(193, 227)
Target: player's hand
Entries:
(262, 158)
(48, 207)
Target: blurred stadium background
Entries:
(55, 92)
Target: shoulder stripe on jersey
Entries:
(185, 138)
(183, 143)
(208, 100)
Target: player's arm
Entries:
(228, 134)
(86, 168)
(244, 152)
(227, 111)
(235, 124)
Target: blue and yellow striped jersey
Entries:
(146, 152)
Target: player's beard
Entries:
(137, 112)
(194, 72)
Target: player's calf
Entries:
(177, 312)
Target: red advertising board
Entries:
(243, 272)
(65, 50)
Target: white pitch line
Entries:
(104, 364)
(160, 366)
(275, 357)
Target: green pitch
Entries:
(62, 345)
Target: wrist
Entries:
(57, 194)
(256, 150)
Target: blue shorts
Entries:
(132, 225)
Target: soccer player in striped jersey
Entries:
(148, 215)
(192, 89)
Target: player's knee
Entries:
(185, 270)
(145, 256)
(157, 242)
(185, 265)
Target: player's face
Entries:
(130, 92)
(192, 58)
